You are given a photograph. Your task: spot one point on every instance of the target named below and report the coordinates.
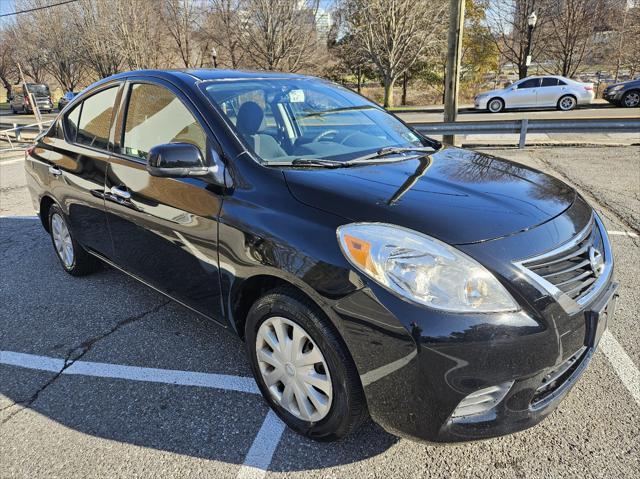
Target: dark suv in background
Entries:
(625, 94)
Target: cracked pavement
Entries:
(54, 425)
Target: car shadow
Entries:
(110, 318)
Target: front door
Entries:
(524, 94)
(164, 230)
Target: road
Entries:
(434, 114)
(151, 390)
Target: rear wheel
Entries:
(631, 99)
(73, 258)
(302, 367)
(567, 103)
(495, 105)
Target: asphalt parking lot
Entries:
(103, 377)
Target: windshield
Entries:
(286, 119)
(38, 90)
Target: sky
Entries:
(6, 6)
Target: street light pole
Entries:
(531, 24)
(214, 57)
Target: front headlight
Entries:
(617, 87)
(423, 269)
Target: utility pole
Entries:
(32, 99)
(452, 76)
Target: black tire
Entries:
(495, 101)
(83, 263)
(631, 99)
(567, 103)
(348, 408)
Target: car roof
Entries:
(204, 74)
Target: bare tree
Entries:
(509, 21)
(8, 68)
(225, 24)
(138, 38)
(570, 30)
(281, 34)
(182, 19)
(95, 23)
(395, 33)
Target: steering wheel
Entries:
(320, 136)
(347, 136)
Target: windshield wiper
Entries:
(390, 150)
(307, 162)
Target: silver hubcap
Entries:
(294, 369)
(632, 99)
(62, 240)
(567, 103)
(495, 105)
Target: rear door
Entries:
(549, 92)
(78, 155)
(524, 94)
(164, 230)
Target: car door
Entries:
(523, 94)
(78, 155)
(164, 230)
(549, 92)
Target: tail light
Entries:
(588, 87)
(26, 100)
(29, 150)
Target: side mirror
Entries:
(180, 160)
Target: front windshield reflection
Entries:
(286, 119)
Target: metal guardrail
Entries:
(17, 134)
(524, 126)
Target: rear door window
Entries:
(156, 116)
(531, 83)
(95, 119)
(549, 81)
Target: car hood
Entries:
(454, 195)
(492, 92)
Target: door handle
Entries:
(120, 193)
(55, 171)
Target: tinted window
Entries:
(95, 119)
(560, 82)
(531, 83)
(156, 116)
(549, 82)
(72, 123)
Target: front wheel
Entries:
(567, 103)
(495, 105)
(73, 258)
(631, 99)
(302, 367)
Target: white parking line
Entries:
(623, 233)
(133, 373)
(264, 445)
(5, 217)
(622, 364)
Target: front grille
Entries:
(572, 269)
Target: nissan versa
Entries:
(371, 271)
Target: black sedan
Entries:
(626, 94)
(371, 271)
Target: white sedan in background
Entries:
(537, 92)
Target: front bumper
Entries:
(417, 365)
(613, 96)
